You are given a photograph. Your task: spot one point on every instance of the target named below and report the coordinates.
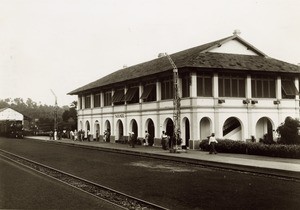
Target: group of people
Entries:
(106, 136)
(169, 141)
(58, 135)
(73, 135)
(147, 141)
(166, 140)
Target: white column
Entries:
(101, 99)
(112, 94)
(141, 90)
(248, 87)
(83, 102)
(180, 87)
(296, 81)
(92, 100)
(193, 87)
(158, 91)
(125, 91)
(278, 88)
(215, 85)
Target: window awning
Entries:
(118, 95)
(130, 94)
(289, 88)
(147, 91)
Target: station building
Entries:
(228, 87)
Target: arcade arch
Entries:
(120, 130)
(264, 126)
(97, 130)
(151, 130)
(205, 128)
(133, 127)
(232, 129)
(185, 135)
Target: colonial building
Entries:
(228, 87)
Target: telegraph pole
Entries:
(176, 106)
(55, 110)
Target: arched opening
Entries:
(120, 131)
(205, 128)
(97, 130)
(87, 129)
(232, 129)
(169, 127)
(264, 129)
(134, 127)
(151, 130)
(107, 130)
(186, 132)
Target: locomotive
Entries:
(12, 128)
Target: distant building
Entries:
(11, 123)
(228, 87)
(10, 114)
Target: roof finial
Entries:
(236, 32)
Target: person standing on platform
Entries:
(147, 137)
(212, 142)
(164, 140)
(55, 135)
(131, 139)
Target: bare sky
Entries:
(64, 44)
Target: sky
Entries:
(61, 45)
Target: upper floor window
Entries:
(167, 91)
(149, 93)
(132, 95)
(118, 96)
(231, 85)
(263, 87)
(107, 98)
(97, 100)
(204, 85)
(186, 81)
(288, 88)
(87, 101)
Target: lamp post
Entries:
(55, 110)
(176, 107)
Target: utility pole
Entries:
(55, 110)
(176, 106)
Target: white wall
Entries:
(233, 47)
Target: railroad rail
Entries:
(114, 197)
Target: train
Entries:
(12, 128)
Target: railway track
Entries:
(119, 199)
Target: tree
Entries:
(70, 116)
(289, 131)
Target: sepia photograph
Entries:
(150, 104)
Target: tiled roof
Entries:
(195, 57)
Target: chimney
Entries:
(236, 32)
(161, 55)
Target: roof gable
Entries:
(235, 45)
(10, 114)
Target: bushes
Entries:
(289, 131)
(241, 147)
